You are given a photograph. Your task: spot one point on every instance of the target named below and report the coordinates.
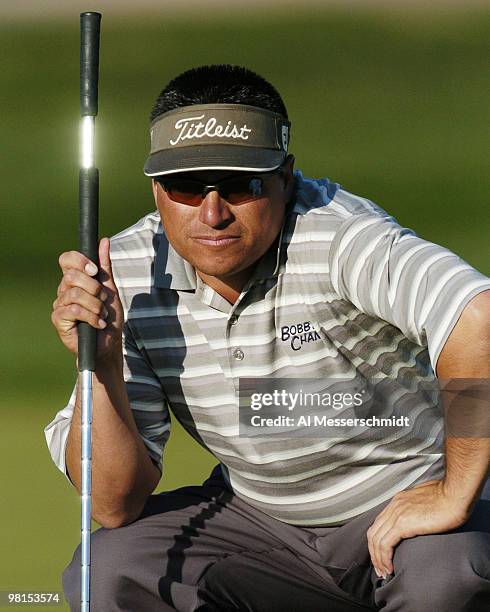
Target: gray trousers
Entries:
(201, 548)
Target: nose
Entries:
(214, 211)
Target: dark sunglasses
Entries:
(234, 189)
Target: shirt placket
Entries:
(235, 353)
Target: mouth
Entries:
(216, 241)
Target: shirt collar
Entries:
(270, 262)
(171, 270)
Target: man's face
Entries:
(221, 239)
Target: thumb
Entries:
(105, 267)
(427, 483)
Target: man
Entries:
(247, 272)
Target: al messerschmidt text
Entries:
(324, 421)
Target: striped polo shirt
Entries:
(377, 301)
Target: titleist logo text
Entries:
(211, 129)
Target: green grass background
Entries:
(394, 106)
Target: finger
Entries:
(375, 551)
(77, 261)
(75, 278)
(106, 275)
(378, 531)
(64, 318)
(76, 295)
(386, 542)
(63, 326)
(383, 517)
(372, 554)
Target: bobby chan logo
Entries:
(299, 334)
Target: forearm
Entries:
(467, 464)
(123, 474)
(463, 370)
(467, 443)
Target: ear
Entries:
(154, 188)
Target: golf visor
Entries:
(217, 137)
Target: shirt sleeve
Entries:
(387, 271)
(147, 401)
(56, 433)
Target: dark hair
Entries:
(220, 84)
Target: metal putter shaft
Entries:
(88, 245)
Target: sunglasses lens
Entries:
(234, 190)
(184, 191)
(241, 189)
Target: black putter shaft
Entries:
(88, 245)
(89, 176)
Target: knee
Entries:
(109, 558)
(442, 572)
(219, 586)
(71, 581)
(229, 584)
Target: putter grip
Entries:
(89, 62)
(88, 245)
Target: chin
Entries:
(219, 271)
(220, 266)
